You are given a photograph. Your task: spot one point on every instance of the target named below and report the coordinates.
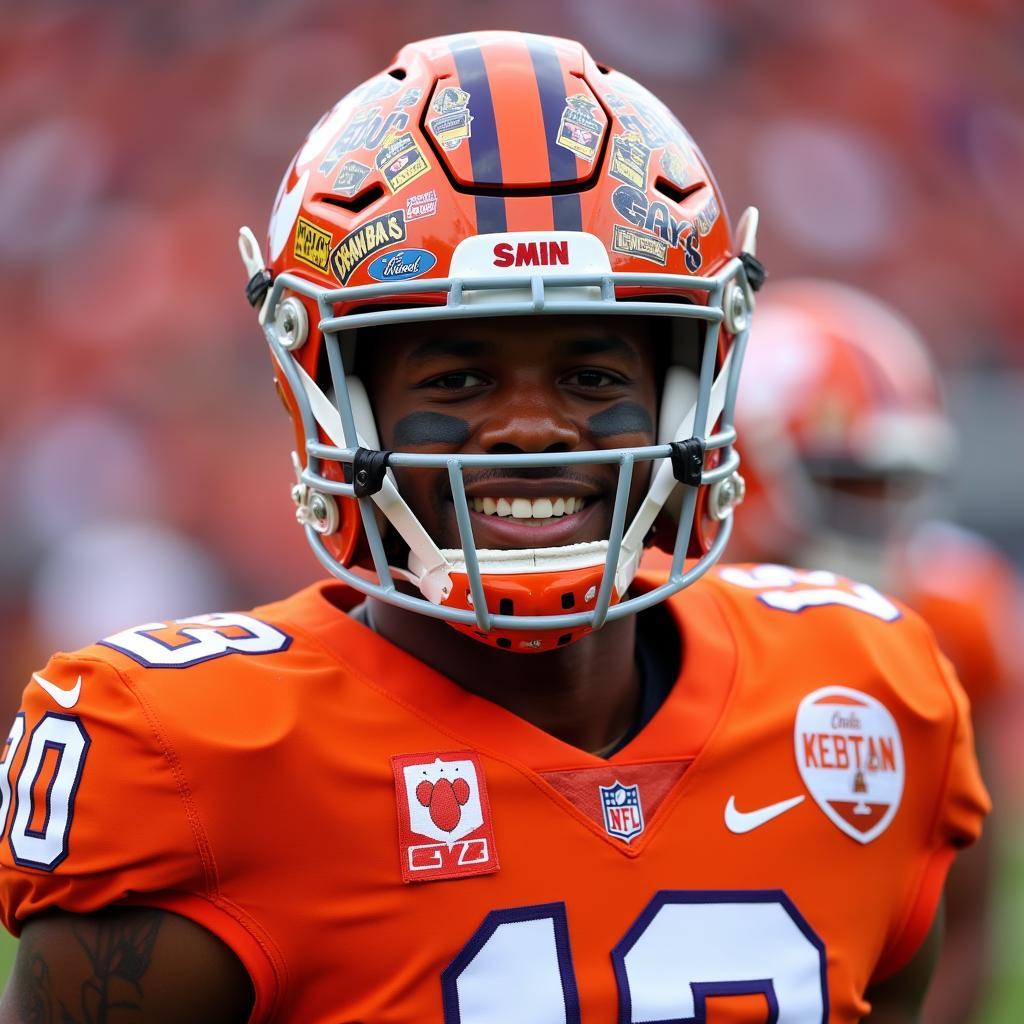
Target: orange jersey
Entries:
(378, 845)
(971, 596)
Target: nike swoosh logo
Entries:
(65, 698)
(746, 821)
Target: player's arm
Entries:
(898, 999)
(132, 965)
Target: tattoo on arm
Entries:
(35, 1005)
(119, 951)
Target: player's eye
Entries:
(461, 380)
(592, 378)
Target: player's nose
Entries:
(528, 422)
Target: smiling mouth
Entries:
(528, 510)
(533, 522)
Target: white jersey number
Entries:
(44, 795)
(684, 949)
(187, 642)
(793, 590)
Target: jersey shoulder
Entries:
(218, 654)
(824, 599)
(208, 681)
(816, 623)
(147, 726)
(825, 643)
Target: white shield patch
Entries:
(850, 756)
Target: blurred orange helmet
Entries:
(841, 400)
(498, 174)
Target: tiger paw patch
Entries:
(444, 817)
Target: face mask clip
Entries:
(688, 460)
(368, 468)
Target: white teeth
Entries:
(527, 508)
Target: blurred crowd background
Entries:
(143, 454)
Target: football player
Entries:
(487, 772)
(846, 443)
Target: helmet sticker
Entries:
(350, 178)
(636, 207)
(409, 98)
(312, 244)
(630, 158)
(707, 215)
(365, 241)
(674, 167)
(366, 130)
(453, 125)
(423, 204)
(580, 131)
(639, 243)
(401, 161)
(653, 135)
(401, 265)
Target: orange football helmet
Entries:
(498, 174)
(844, 426)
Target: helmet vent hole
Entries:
(506, 607)
(356, 203)
(568, 600)
(673, 192)
(565, 638)
(503, 641)
(398, 73)
(604, 69)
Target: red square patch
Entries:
(444, 817)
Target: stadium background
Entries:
(142, 451)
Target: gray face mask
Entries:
(458, 585)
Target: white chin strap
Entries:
(430, 567)
(434, 577)
(664, 483)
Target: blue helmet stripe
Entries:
(483, 143)
(562, 164)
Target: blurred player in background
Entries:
(846, 447)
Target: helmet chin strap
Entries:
(663, 484)
(430, 567)
(435, 577)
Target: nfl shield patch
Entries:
(623, 814)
